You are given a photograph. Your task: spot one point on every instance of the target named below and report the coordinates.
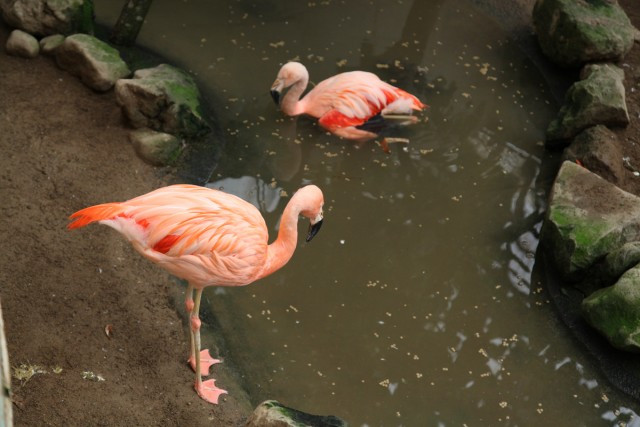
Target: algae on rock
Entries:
(45, 17)
(163, 98)
(271, 413)
(615, 311)
(572, 33)
(598, 98)
(587, 219)
(97, 64)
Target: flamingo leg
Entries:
(205, 358)
(402, 118)
(353, 133)
(207, 390)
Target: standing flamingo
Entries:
(208, 238)
(345, 102)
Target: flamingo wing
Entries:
(203, 235)
(352, 98)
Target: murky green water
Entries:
(418, 302)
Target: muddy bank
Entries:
(65, 147)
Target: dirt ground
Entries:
(629, 137)
(64, 147)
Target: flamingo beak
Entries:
(276, 88)
(313, 230)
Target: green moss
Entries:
(615, 311)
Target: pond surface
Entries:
(418, 303)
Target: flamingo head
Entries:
(311, 201)
(290, 74)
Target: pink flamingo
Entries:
(345, 102)
(208, 238)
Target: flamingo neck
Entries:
(281, 250)
(291, 103)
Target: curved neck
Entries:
(281, 250)
(291, 104)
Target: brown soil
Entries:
(63, 148)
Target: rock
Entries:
(271, 413)
(574, 32)
(97, 64)
(598, 149)
(49, 44)
(157, 148)
(615, 311)
(598, 98)
(587, 219)
(162, 98)
(22, 44)
(618, 262)
(45, 17)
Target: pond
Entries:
(419, 302)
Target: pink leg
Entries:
(207, 390)
(353, 133)
(205, 358)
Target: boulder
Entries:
(617, 262)
(615, 311)
(22, 44)
(97, 64)
(598, 98)
(163, 98)
(273, 414)
(597, 148)
(574, 32)
(587, 219)
(45, 17)
(156, 148)
(49, 44)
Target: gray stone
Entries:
(22, 44)
(97, 64)
(598, 98)
(615, 311)
(162, 98)
(273, 414)
(156, 148)
(575, 32)
(49, 44)
(44, 17)
(587, 219)
(597, 148)
(618, 262)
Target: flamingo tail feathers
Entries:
(94, 213)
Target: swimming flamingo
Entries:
(208, 238)
(345, 102)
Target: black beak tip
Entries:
(276, 96)
(313, 230)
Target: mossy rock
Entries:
(97, 64)
(163, 98)
(587, 219)
(46, 17)
(615, 311)
(597, 99)
(156, 148)
(271, 413)
(574, 32)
